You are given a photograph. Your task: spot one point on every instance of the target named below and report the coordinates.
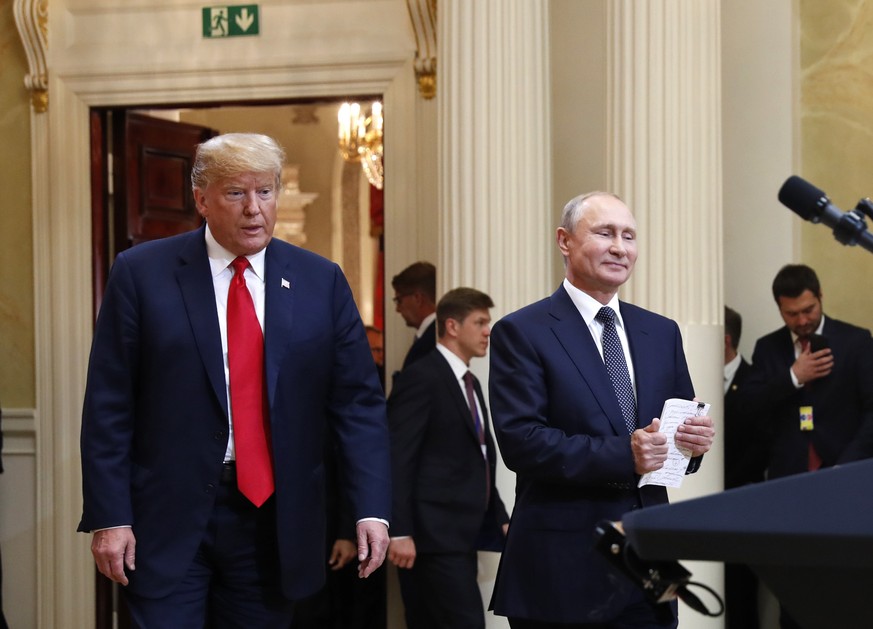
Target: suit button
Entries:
(209, 488)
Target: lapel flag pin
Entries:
(285, 283)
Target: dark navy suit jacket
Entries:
(560, 428)
(745, 444)
(154, 426)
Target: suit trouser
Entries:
(448, 589)
(234, 581)
(345, 602)
(415, 613)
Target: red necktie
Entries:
(248, 400)
(814, 460)
(804, 343)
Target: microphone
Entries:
(813, 205)
(660, 581)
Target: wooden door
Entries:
(155, 175)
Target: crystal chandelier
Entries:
(360, 139)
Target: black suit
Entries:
(842, 401)
(745, 458)
(416, 614)
(745, 455)
(444, 494)
(346, 601)
(422, 346)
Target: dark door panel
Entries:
(155, 175)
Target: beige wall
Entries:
(836, 135)
(577, 42)
(16, 252)
(18, 494)
(758, 153)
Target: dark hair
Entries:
(793, 279)
(733, 325)
(420, 276)
(458, 303)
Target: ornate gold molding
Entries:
(422, 14)
(31, 18)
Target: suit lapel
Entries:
(572, 333)
(478, 388)
(458, 397)
(788, 348)
(489, 441)
(642, 353)
(280, 298)
(195, 281)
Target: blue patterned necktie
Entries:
(613, 358)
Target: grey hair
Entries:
(573, 210)
(235, 153)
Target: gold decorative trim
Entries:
(422, 14)
(31, 18)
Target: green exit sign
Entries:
(231, 21)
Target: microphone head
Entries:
(803, 198)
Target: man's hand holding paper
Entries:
(650, 448)
(687, 430)
(696, 434)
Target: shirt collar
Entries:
(459, 367)
(588, 307)
(426, 322)
(730, 369)
(220, 258)
(818, 330)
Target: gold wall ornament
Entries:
(425, 72)
(422, 14)
(39, 100)
(31, 19)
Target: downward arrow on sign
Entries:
(244, 20)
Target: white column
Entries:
(494, 193)
(495, 230)
(664, 148)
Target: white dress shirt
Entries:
(219, 262)
(588, 307)
(730, 370)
